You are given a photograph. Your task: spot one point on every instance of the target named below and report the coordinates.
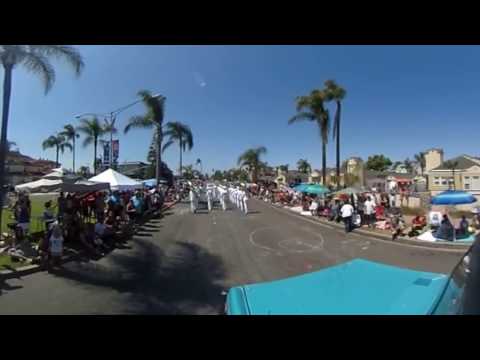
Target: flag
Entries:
(106, 153)
(115, 149)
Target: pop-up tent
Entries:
(60, 180)
(116, 180)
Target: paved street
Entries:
(182, 263)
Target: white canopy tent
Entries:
(116, 180)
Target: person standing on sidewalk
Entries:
(347, 212)
(369, 211)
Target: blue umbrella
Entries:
(300, 187)
(316, 189)
(453, 197)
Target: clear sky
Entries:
(400, 100)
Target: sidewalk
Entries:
(69, 255)
(384, 235)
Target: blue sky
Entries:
(400, 99)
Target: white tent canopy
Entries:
(116, 180)
(47, 185)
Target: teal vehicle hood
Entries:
(358, 287)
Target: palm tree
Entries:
(181, 133)
(93, 131)
(109, 128)
(452, 165)
(59, 143)
(71, 134)
(303, 166)
(408, 165)
(153, 119)
(199, 162)
(312, 108)
(336, 93)
(36, 59)
(420, 160)
(188, 172)
(251, 159)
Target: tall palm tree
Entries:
(336, 93)
(109, 128)
(312, 108)
(59, 143)
(153, 119)
(251, 159)
(303, 166)
(199, 162)
(36, 59)
(181, 134)
(452, 165)
(70, 134)
(420, 160)
(93, 131)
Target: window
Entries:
(475, 178)
(466, 177)
(467, 186)
(444, 181)
(436, 180)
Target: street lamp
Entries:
(113, 118)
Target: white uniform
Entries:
(209, 200)
(193, 201)
(245, 205)
(240, 199)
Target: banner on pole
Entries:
(115, 149)
(106, 153)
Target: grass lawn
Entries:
(6, 263)
(37, 211)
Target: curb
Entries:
(31, 269)
(453, 247)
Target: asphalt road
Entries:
(183, 263)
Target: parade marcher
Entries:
(245, 205)
(209, 200)
(192, 201)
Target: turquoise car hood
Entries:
(358, 287)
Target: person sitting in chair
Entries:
(463, 230)
(446, 229)
(419, 222)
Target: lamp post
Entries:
(113, 118)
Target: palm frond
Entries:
(87, 141)
(39, 64)
(302, 116)
(167, 145)
(68, 53)
(68, 146)
(138, 122)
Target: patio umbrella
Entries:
(315, 189)
(452, 198)
(300, 187)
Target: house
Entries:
(290, 177)
(22, 168)
(465, 176)
(331, 175)
(400, 169)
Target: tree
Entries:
(312, 108)
(420, 160)
(59, 143)
(284, 167)
(251, 159)
(153, 119)
(218, 175)
(337, 94)
(83, 171)
(378, 163)
(396, 164)
(181, 134)
(36, 59)
(70, 134)
(303, 166)
(408, 165)
(109, 128)
(452, 165)
(188, 172)
(93, 131)
(199, 162)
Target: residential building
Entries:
(290, 176)
(465, 176)
(22, 168)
